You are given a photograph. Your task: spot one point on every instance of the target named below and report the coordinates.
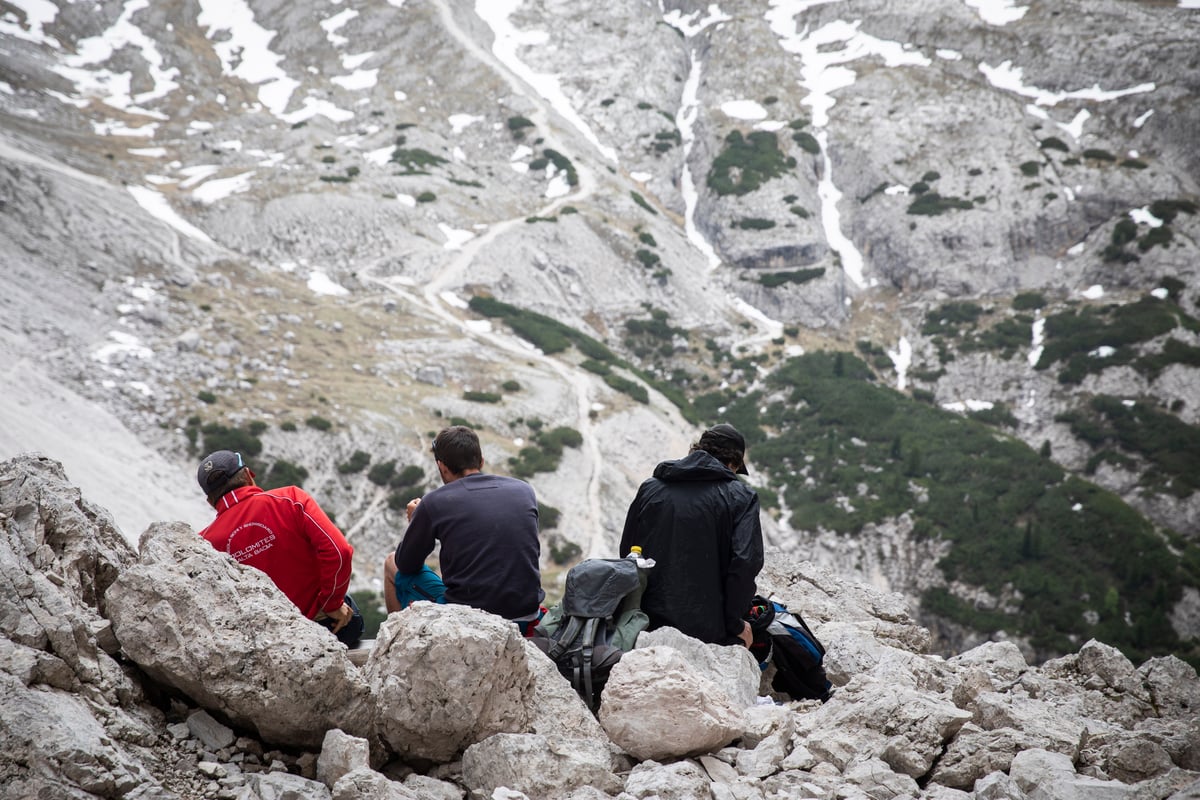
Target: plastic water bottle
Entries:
(635, 554)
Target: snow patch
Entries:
(1142, 216)
(997, 12)
(321, 283)
(460, 122)
(455, 239)
(1038, 341)
(158, 207)
(969, 405)
(743, 109)
(214, 190)
(902, 359)
(1094, 292)
(691, 24)
(1010, 78)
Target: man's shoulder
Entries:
(482, 480)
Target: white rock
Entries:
(657, 706)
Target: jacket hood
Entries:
(697, 466)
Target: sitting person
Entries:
(701, 526)
(284, 533)
(487, 526)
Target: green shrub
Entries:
(947, 318)
(409, 476)
(746, 163)
(517, 124)
(549, 335)
(563, 551)
(545, 453)
(932, 204)
(641, 201)
(807, 142)
(287, 426)
(511, 386)
(481, 397)
(799, 211)
(1098, 155)
(648, 258)
(283, 473)
(564, 165)
(772, 280)
(635, 390)
(382, 472)
(1133, 163)
(1072, 334)
(1167, 210)
(415, 158)
(548, 516)
(205, 396)
(596, 367)
(318, 423)
(754, 224)
(1161, 235)
(1028, 301)
(357, 463)
(1030, 168)
(1054, 143)
(647, 239)
(221, 437)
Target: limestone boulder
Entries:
(731, 668)
(658, 706)
(445, 677)
(540, 767)
(224, 635)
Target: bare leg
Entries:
(390, 601)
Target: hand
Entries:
(411, 507)
(747, 635)
(340, 617)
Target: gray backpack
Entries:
(597, 621)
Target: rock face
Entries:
(225, 636)
(459, 705)
(657, 706)
(446, 677)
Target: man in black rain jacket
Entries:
(700, 525)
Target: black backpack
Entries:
(597, 621)
(783, 638)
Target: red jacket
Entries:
(285, 534)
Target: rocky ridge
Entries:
(174, 672)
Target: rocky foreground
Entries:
(176, 673)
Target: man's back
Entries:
(700, 525)
(488, 529)
(285, 534)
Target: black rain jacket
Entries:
(700, 525)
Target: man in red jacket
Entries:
(284, 533)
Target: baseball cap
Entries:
(724, 434)
(216, 470)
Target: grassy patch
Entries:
(747, 163)
(932, 204)
(415, 158)
(545, 453)
(1072, 335)
(754, 224)
(548, 334)
(1170, 447)
(775, 279)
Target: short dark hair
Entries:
(458, 448)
